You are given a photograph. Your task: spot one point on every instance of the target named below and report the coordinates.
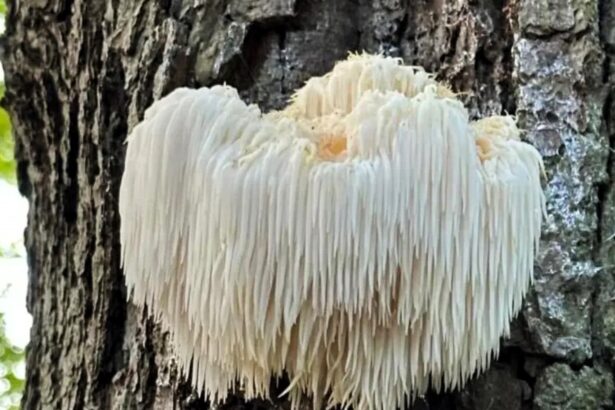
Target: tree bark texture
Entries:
(79, 74)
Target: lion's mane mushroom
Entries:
(368, 240)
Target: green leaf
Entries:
(7, 160)
(10, 357)
(7, 147)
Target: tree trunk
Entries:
(80, 73)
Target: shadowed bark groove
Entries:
(80, 74)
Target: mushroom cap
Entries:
(368, 240)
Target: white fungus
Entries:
(369, 241)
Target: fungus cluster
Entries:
(368, 241)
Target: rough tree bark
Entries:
(80, 73)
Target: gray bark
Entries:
(80, 73)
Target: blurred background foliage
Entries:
(7, 161)
(11, 372)
(11, 357)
